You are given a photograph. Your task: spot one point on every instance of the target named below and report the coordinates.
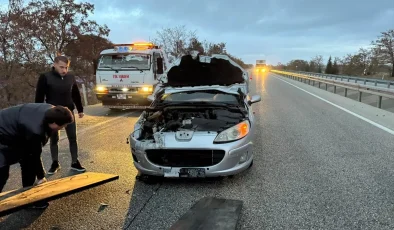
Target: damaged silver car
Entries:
(200, 122)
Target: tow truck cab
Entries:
(127, 74)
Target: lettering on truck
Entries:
(121, 76)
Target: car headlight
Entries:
(234, 133)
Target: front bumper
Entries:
(171, 160)
(124, 100)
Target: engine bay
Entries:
(172, 119)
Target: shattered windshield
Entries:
(119, 61)
(200, 97)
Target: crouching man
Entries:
(24, 130)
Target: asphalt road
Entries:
(316, 166)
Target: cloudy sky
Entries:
(275, 30)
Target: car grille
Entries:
(185, 157)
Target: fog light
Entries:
(244, 157)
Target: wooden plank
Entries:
(15, 200)
(211, 213)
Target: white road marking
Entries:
(98, 124)
(341, 108)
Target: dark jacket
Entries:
(23, 132)
(58, 90)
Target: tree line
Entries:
(32, 34)
(375, 61)
(178, 41)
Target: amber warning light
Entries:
(135, 46)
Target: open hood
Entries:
(205, 71)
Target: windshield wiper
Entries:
(134, 68)
(112, 68)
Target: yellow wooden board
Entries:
(15, 200)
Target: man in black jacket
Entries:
(58, 87)
(24, 130)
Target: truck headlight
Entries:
(234, 133)
(147, 89)
(101, 89)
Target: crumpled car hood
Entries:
(194, 72)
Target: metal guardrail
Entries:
(376, 82)
(378, 91)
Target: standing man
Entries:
(24, 130)
(58, 87)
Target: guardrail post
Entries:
(365, 82)
(326, 86)
(380, 102)
(359, 96)
(348, 79)
(319, 85)
(355, 80)
(376, 83)
(313, 82)
(345, 92)
(388, 85)
(335, 89)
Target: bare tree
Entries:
(56, 23)
(176, 40)
(318, 63)
(31, 36)
(14, 56)
(384, 47)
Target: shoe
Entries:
(54, 168)
(77, 167)
(43, 180)
(40, 205)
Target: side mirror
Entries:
(160, 69)
(151, 98)
(254, 99)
